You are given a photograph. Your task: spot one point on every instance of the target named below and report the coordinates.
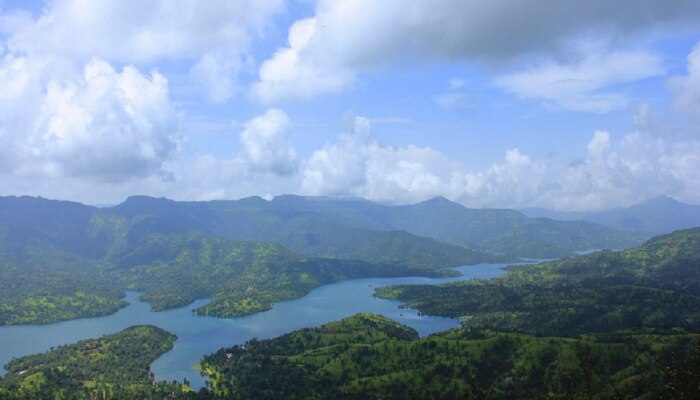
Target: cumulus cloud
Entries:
(344, 38)
(687, 88)
(99, 123)
(581, 86)
(637, 167)
(290, 74)
(358, 165)
(266, 144)
(213, 35)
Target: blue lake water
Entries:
(198, 335)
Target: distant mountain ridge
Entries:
(658, 215)
(338, 228)
(498, 231)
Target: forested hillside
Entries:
(75, 260)
(370, 357)
(63, 260)
(606, 325)
(113, 366)
(654, 285)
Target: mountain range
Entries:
(654, 216)
(353, 228)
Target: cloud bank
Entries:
(325, 53)
(214, 37)
(639, 166)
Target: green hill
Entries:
(370, 357)
(240, 277)
(113, 366)
(654, 285)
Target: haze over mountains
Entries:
(351, 228)
(658, 215)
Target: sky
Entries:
(505, 103)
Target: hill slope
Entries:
(367, 356)
(654, 285)
(113, 366)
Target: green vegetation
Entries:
(40, 295)
(113, 366)
(607, 325)
(63, 260)
(240, 277)
(370, 357)
(654, 285)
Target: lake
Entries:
(199, 335)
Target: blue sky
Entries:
(565, 105)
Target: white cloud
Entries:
(66, 112)
(266, 144)
(133, 31)
(687, 88)
(344, 38)
(214, 36)
(360, 166)
(100, 124)
(581, 86)
(289, 74)
(638, 167)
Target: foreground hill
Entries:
(654, 285)
(369, 357)
(658, 215)
(113, 366)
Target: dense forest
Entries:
(654, 285)
(113, 366)
(607, 325)
(240, 277)
(370, 357)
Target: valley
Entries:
(367, 312)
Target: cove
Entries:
(200, 335)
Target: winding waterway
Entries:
(198, 335)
